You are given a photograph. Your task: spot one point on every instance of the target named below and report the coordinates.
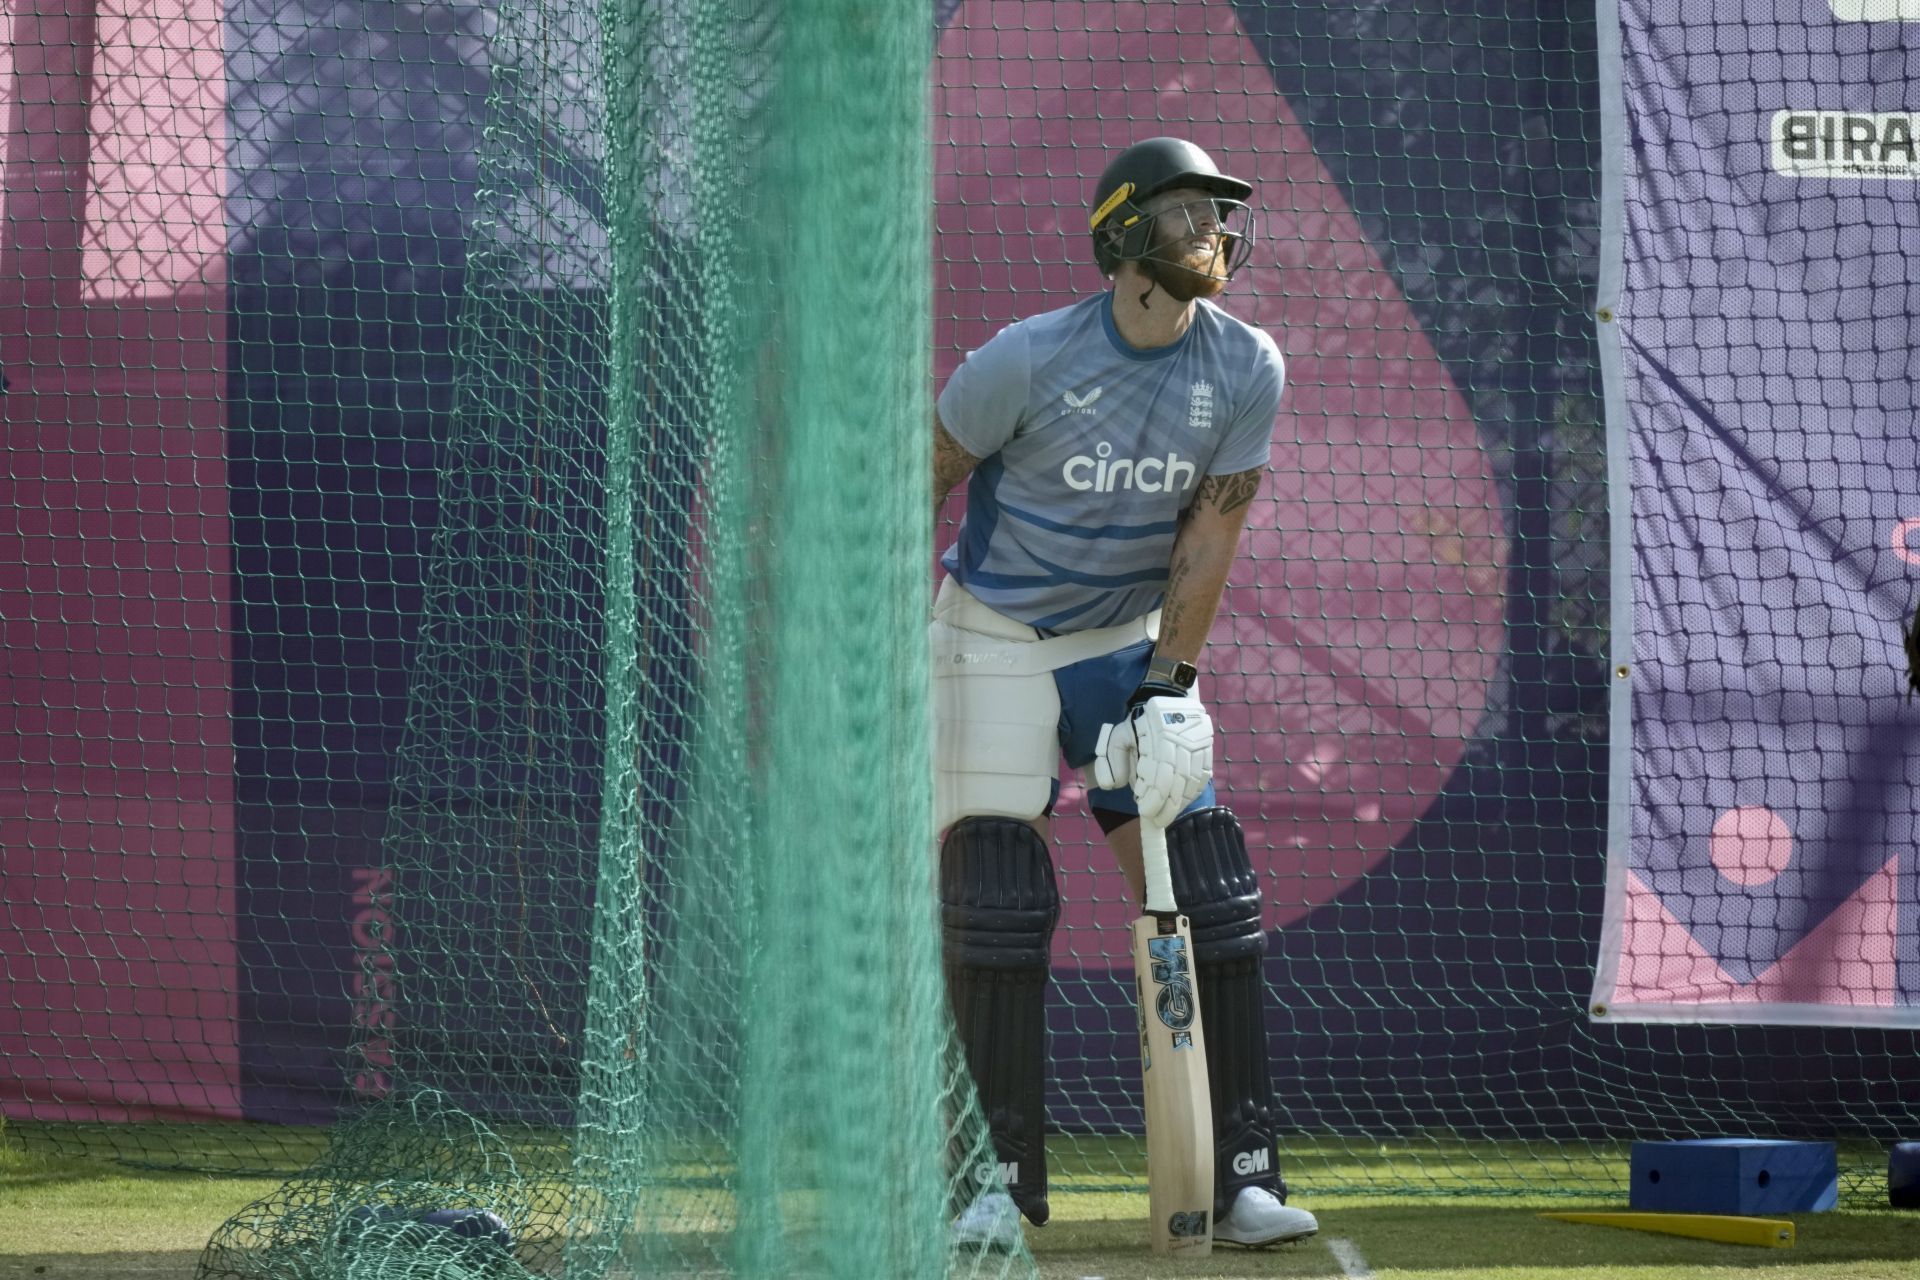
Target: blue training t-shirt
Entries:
(1089, 451)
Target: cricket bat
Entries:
(1173, 1063)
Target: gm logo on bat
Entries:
(1174, 1005)
(1187, 1224)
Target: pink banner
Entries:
(1360, 632)
(116, 808)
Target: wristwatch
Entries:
(1169, 671)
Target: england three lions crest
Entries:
(1200, 406)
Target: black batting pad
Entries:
(1214, 885)
(998, 908)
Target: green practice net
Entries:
(672, 682)
(465, 750)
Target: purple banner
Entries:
(1766, 221)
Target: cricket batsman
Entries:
(1114, 447)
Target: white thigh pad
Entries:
(996, 725)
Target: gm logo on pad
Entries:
(991, 1171)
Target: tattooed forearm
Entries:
(1178, 607)
(1228, 494)
(951, 463)
(1203, 552)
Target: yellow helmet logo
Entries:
(1111, 203)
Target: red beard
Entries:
(1186, 272)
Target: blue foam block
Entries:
(1746, 1176)
(1903, 1175)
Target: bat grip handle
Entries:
(1159, 876)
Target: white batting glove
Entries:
(1173, 756)
(1113, 757)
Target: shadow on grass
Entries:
(1118, 1250)
(1442, 1238)
(44, 1174)
(217, 1148)
(100, 1266)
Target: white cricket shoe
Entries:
(1259, 1218)
(992, 1221)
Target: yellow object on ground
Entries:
(1770, 1233)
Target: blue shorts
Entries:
(1095, 693)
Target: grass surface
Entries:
(70, 1217)
(1503, 1242)
(72, 1207)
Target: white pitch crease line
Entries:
(1350, 1261)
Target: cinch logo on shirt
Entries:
(1103, 473)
